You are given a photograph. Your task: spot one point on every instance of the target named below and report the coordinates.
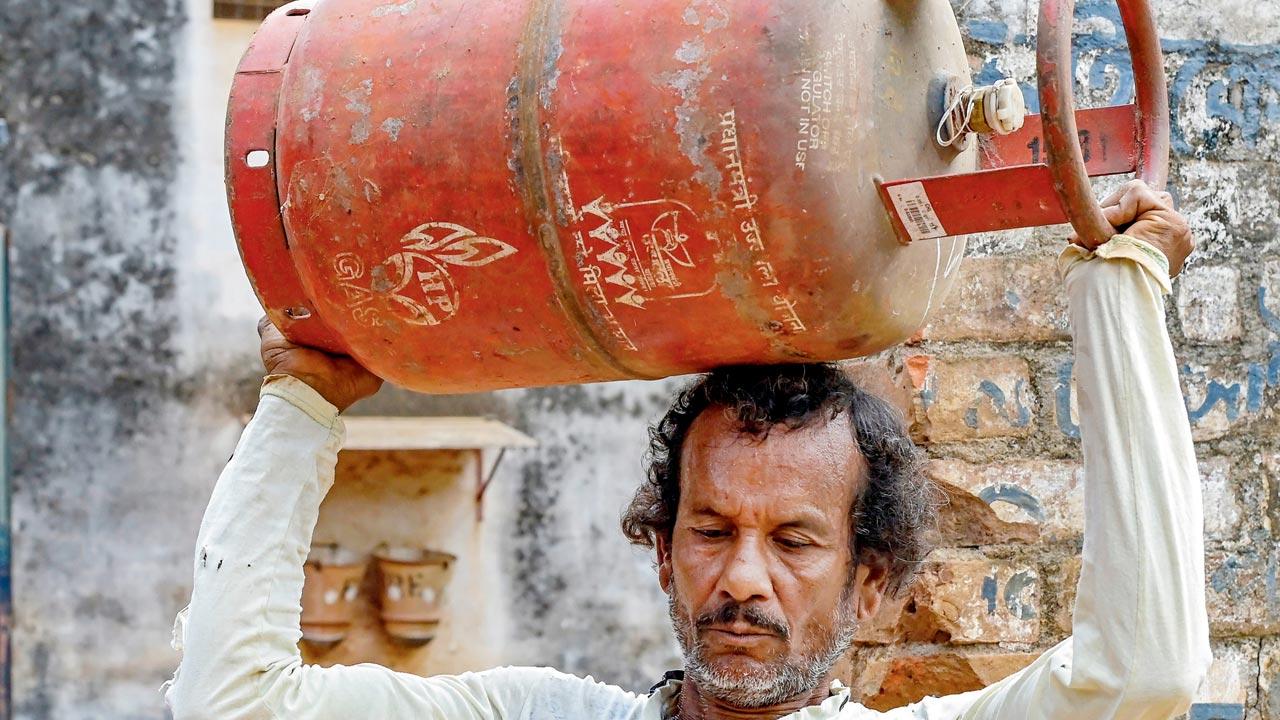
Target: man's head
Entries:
(783, 503)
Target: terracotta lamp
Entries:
(412, 582)
(328, 598)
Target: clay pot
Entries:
(328, 598)
(411, 586)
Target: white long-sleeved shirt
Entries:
(1141, 642)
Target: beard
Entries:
(763, 683)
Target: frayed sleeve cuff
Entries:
(1121, 247)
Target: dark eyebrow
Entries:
(810, 521)
(802, 524)
(706, 511)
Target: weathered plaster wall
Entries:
(89, 166)
(134, 362)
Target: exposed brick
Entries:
(1208, 306)
(1066, 410)
(962, 602)
(1069, 578)
(1269, 679)
(882, 376)
(887, 683)
(1268, 300)
(1003, 299)
(1217, 398)
(972, 398)
(1222, 511)
(1044, 496)
(1271, 492)
(966, 520)
(1242, 592)
(1233, 677)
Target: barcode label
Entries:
(916, 212)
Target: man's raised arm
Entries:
(1141, 639)
(240, 633)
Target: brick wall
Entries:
(988, 386)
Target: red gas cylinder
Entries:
(475, 195)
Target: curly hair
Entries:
(893, 517)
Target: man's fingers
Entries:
(1148, 214)
(1115, 215)
(1140, 187)
(1124, 210)
(1114, 198)
(270, 334)
(1137, 198)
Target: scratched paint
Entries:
(1015, 595)
(1232, 394)
(1011, 408)
(392, 127)
(359, 101)
(1216, 711)
(1235, 392)
(401, 9)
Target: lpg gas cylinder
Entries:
(475, 195)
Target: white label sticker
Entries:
(916, 212)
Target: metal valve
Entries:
(998, 109)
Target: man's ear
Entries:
(663, 547)
(871, 577)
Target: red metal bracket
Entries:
(1040, 174)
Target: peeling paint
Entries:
(1226, 95)
(402, 8)
(358, 101)
(693, 141)
(392, 127)
(551, 72)
(313, 84)
(711, 14)
(688, 83)
(692, 52)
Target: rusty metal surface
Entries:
(550, 191)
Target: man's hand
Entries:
(1146, 214)
(339, 379)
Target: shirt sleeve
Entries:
(239, 636)
(1141, 636)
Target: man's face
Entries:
(763, 589)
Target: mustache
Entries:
(733, 611)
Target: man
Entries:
(783, 504)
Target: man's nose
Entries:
(746, 573)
